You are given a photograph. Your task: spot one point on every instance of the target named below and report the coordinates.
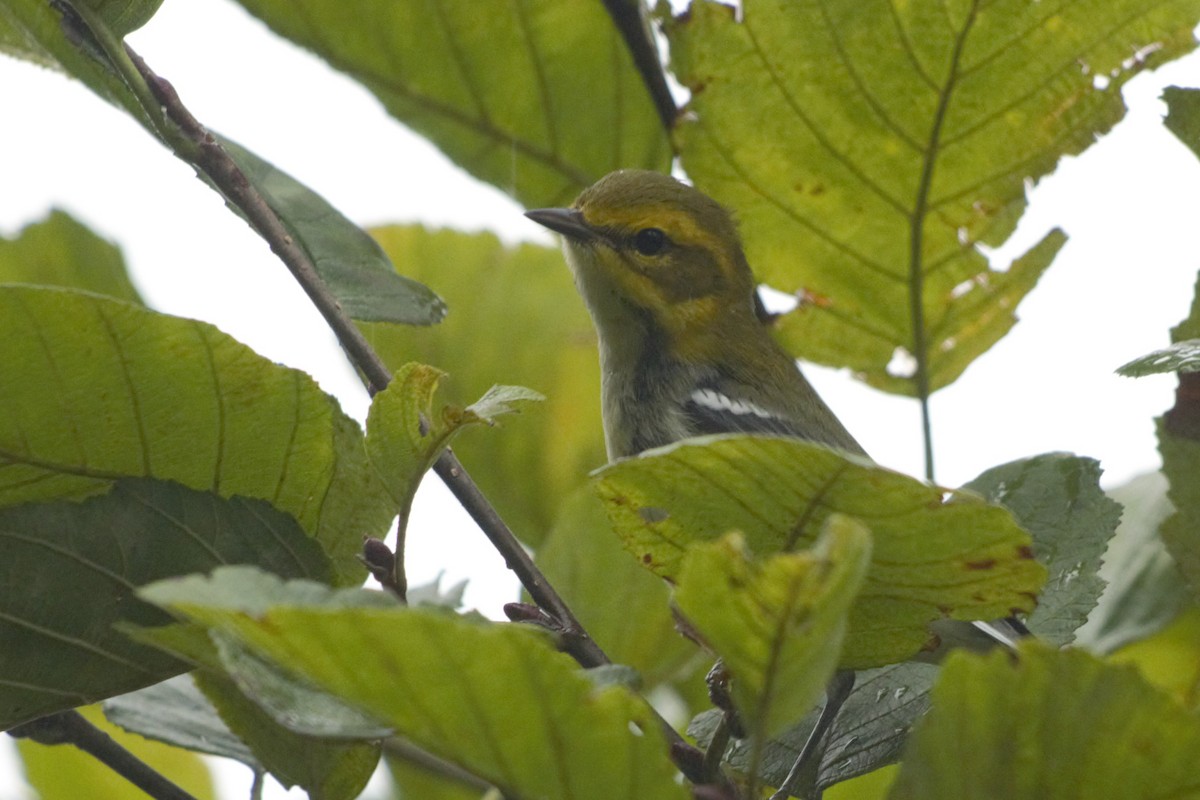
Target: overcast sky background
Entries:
(1129, 205)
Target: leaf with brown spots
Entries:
(929, 556)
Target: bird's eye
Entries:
(650, 241)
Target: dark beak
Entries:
(566, 221)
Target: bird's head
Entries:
(645, 247)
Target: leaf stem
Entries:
(70, 727)
(916, 258)
(627, 17)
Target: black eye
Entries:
(650, 241)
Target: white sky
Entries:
(1129, 205)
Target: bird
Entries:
(684, 350)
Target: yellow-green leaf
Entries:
(496, 699)
(60, 251)
(777, 624)
(870, 148)
(933, 557)
(93, 389)
(1051, 726)
(537, 97)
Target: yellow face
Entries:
(659, 246)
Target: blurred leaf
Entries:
(1054, 724)
(537, 97)
(93, 389)
(1145, 589)
(65, 773)
(1170, 658)
(176, 712)
(517, 319)
(870, 147)
(1183, 115)
(68, 573)
(932, 558)
(1179, 357)
(349, 261)
(777, 624)
(326, 769)
(1058, 499)
(496, 699)
(60, 251)
(1179, 444)
(621, 605)
(413, 782)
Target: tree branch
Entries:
(192, 143)
(627, 17)
(70, 727)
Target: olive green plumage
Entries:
(682, 350)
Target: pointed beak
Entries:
(566, 221)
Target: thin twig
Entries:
(70, 727)
(627, 17)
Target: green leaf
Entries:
(777, 624)
(496, 699)
(621, 605)
(538, 97)
(177, 713)
(1055, 724)
(871, 147)
(517, 319)
(1180, 357)
(93, 389)
(327, 770)
(69, 571)
(60, 251)
(958, 558)
(66, 772)
(1179, 444)
(349, 261)
(1183, 115)
(1058, 499)
(1144, 589)
(405, 436)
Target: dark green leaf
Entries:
(349, 261)
(1057, 498)
(69, 571)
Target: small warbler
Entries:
(683, 348)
